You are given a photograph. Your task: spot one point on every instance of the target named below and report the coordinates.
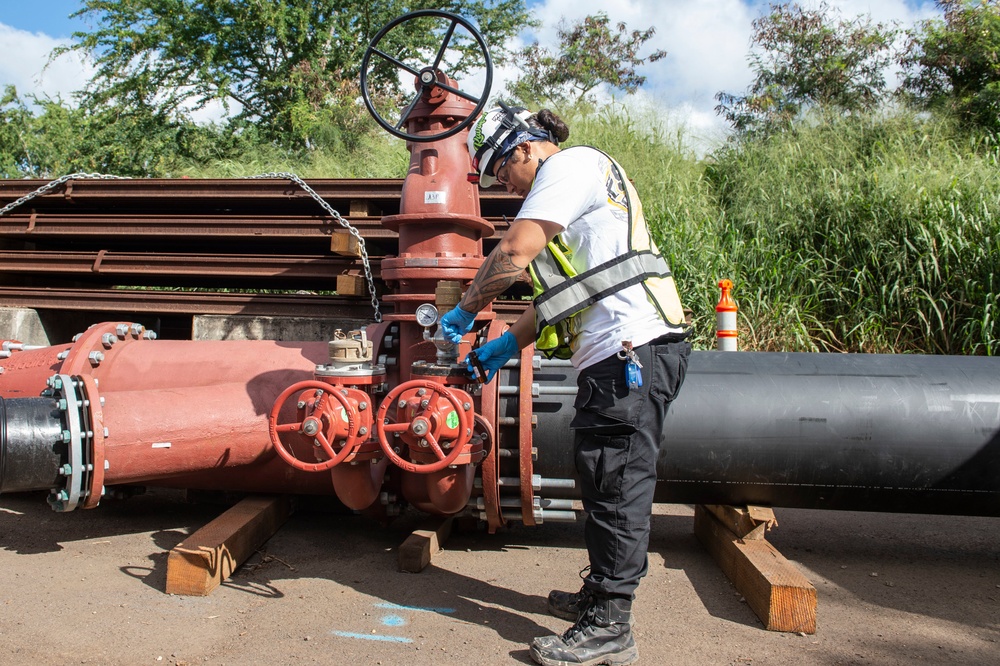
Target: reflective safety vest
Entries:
(560, 293)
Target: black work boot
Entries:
(568, 605)
(601, 635)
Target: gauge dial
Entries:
(427, 315)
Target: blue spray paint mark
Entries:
(393, 621)
(419, 609)
(373, 637)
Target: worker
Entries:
(604, 297)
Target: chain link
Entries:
(51, 185)
(342, 222)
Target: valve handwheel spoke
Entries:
(397, 427)
(429, 76)
(325, 444)
(435, 447)
(288, 427)
(329, 404)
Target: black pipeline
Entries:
(893, 433)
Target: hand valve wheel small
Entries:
(425, 425)
(325, 424)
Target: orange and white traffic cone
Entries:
(725, 319)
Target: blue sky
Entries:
(706, 41)
(47, 16)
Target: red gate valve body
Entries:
(336, 419)
(430, 419)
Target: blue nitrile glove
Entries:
(456, 323)
(494, 354)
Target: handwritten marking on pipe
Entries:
(161, 445)
(419, 609)
(373, 637)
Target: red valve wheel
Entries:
(421, 426)
(315, 421)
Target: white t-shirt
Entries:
(575, 188)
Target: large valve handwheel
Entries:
(429, 76)
(422, 427)
(320, 424)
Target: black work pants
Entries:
(616, 443)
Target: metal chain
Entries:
(340, 220)
(51, 185)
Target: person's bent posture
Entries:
(605, 297)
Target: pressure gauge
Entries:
(427, 315)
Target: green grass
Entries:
(380, 156)
(865, 234)
(862, 234)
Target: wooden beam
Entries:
(418, 549)
(345, 244)
(351, 285)
(362, 208)
(746, 522)
(775, 590)
(200, 563)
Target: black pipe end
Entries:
(31, 448)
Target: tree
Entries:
(51, 138)
(15, 121)
(591, 52)
(954, 63)
(807, 58)
(289, 65)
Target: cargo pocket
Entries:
(603, 402)
(600, 462)
(669, 368)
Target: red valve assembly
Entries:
(422, 426)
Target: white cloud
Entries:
(707, 42)
(24, 65)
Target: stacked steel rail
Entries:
(255, 247)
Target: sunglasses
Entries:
(503, 179)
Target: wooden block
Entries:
(200, 563)
(352, 285)
(344, 243)
(750, 522)
(775, 590)
(362, 208)
(416, 552)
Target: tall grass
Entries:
(378, 156)
(864, 234)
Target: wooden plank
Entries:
(363, 208)
(418, 549)
(345, 244)
(775, 590)
(749, 522)
(200, 563)
(351, 285)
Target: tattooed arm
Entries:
(520, 245)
